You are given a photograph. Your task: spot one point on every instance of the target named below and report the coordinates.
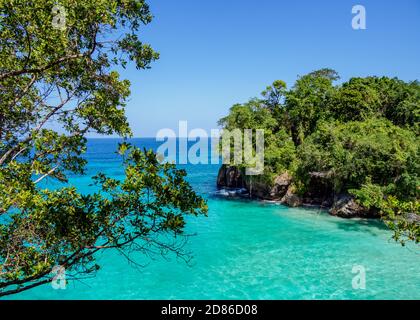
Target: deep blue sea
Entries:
(249, 250)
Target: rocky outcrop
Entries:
(259, 189)
(345, 206)
(291, 198)
(269, 191)
(319, 189)
(282, 184)
(230, 177)
(319, 192)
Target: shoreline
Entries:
(239, 194)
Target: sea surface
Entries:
(249, 250)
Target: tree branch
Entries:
(40, 69)
(46, 175)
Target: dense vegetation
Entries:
(362, 136)
(64, 78)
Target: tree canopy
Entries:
(362, 135)
(65, 77)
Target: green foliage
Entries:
(274, 97)
(402, 218)
(64, 78)
(360, 136)
(361, 98)
(400, 215)
(308, 101)
(354, 151)
(279, 150)
(369, 195)
(249, 115)
(50, 227)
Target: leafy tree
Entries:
(279, 153)
(356, 100)
(274, 95)
(361, 98)
(355, 151)
(249, 115)
(65, 78)
(400, 215)
(360, 136)
(308, 102)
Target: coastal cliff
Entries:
(282, 190)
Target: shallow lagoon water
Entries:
(250, 250)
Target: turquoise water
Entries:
(251, 250)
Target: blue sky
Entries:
(214, 53)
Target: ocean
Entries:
(248, 250)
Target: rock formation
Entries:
(320, 192)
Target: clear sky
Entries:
(215, 53)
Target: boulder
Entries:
(270, 191)
(229, 177)
(258, 189)
(319, 190)
(345, 206)
(291, 198)
(281, 184)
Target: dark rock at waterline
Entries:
(281, 185)
(291, 199)
(319, 189)
(274, 191)
(319, 192)
(230, 177)
(345, 206)
(259, 189)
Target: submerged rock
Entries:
(232, 193)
